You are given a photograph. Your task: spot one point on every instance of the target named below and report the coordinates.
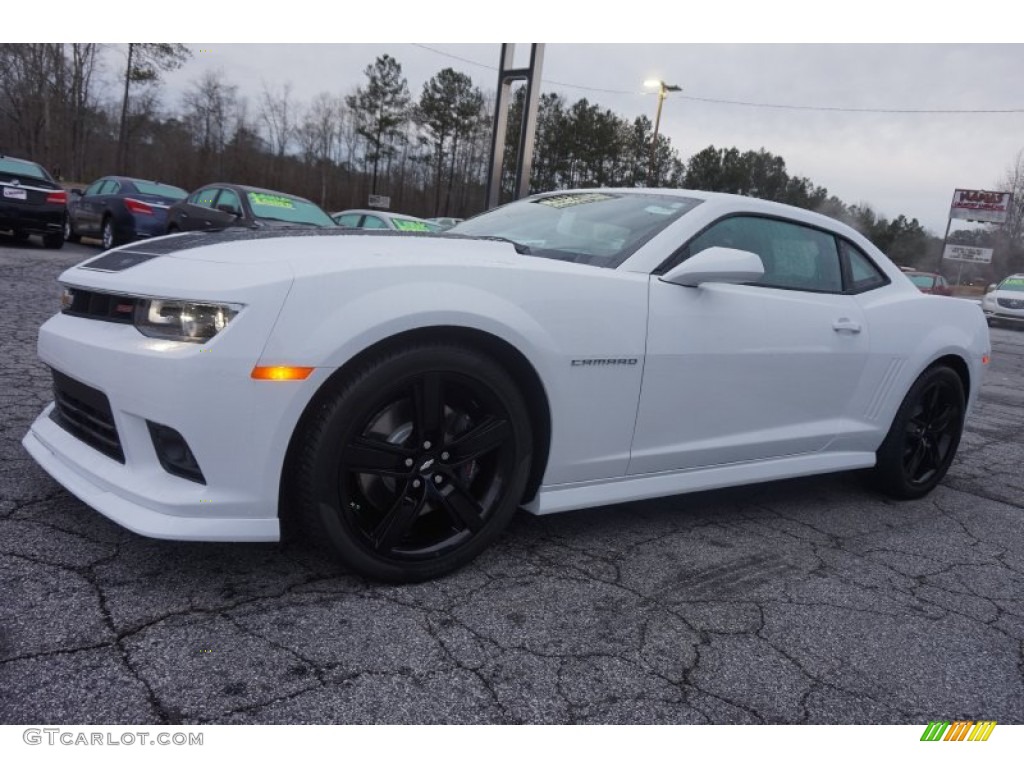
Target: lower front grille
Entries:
(85, 413)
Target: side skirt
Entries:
(618, 490)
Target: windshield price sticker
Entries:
(272, 201)
(565, 201)
(410, 226)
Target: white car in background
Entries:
(401, 397)
(359, 219)
(1005, 302)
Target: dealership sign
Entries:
(979, 205)
(968, 253)
(379, 201)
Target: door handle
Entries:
(845, 324)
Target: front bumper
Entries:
(1003, 314)
(237, 428)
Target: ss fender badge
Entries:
(605, 361)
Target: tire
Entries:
(54, 241)
(19, 236)
(107, 236)
(415, 463)
(69, 231)
(924, 436)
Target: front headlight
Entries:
(180, 320)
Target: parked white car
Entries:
(401, 397)
(359, 219)
(1005, 302)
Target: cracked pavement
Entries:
(806, 601)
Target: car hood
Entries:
(305, 248)
(233, 263)
(997, 294)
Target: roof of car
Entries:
(370, 212)
(247, 188)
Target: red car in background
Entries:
(930, 282)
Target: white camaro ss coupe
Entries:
(400, 396)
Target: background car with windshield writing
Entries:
(1005, 301)
(218, 206)
(358, 219)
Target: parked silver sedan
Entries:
(359, 219)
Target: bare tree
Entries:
(210, 112)
(276, 113)
(319, 135)
(145, 63)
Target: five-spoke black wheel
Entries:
(924, 436)
(416, 462)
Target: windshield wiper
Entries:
(520, 248)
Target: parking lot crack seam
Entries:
(688, 683)
(317, 670)
(32, 502)
(474, 670)
(57, 652)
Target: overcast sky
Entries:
(897, 161)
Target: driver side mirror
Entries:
(229, 209)
(991, 288)
(717, 265)
(76, 191)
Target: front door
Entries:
(738, 373)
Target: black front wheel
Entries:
(69, 231)
(924, 436)
(107, 235)
(415, 463)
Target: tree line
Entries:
(85, 110)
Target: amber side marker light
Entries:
(280, 372)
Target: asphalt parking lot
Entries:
(811, 601)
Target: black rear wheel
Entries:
(53, 241)
(416, 463)
(924, 436)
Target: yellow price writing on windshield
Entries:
(273, 201)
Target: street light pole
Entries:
(662, 90)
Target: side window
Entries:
(111, 188)
(349, 220)
(794, 256)
(864, 275)
(374, 222)
(94, 188)
(229, 202)
(203, 197)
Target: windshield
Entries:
(163, 190)
(598, 228)
(267, 205)
(1012, 284)
(922, 281)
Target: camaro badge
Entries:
(605, 361)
